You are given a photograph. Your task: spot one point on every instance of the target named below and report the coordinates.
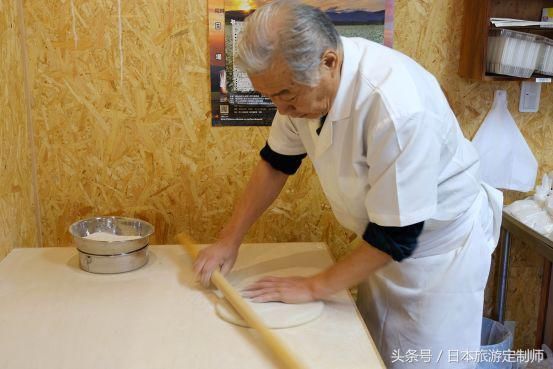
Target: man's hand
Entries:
(348, 272)
(221, 254)
(291, 290)
(262, 189)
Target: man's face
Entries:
(294, 99)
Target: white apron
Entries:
(432, 304)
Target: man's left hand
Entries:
(290, 290)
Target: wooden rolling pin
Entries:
(281, 351)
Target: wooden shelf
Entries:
(530, 29)
(546, 32)
(529, 236)
(476, 25)
(501, 77)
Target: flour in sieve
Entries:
(104, 236)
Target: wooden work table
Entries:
(512, 227)
(55, 316)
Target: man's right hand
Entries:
(221, 254)
(264, 186)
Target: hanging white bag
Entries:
(506, 161)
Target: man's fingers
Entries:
(271, 279)
(260, 291)
(226, 267)
(258, 285)
(206, 272)
(198, 265)
(265, 282)
(268, 297)
(283, 289)
(205, 278)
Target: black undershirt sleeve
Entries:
(398, 242)
(288, 164)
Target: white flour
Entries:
(109, 237)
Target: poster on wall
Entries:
(234, 102)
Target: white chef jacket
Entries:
(390, 151)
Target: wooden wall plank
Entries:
(17, 213)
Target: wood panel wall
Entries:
(17, 211)
(136, 140)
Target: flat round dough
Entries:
(274, 314)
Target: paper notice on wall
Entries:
(240, 79)
(234, 102)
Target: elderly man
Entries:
(396, 170)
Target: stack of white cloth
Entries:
(536, 211)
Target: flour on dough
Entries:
(109, 237)
(274, 314)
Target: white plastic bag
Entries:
(543, 190)
(542, 223)
(532, 214)
(523, 208)
(506, 161)
(549, 205)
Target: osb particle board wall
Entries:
(17, 215)
(136, 140)
(430, 32)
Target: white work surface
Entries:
(55, 316)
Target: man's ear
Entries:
(330, 61)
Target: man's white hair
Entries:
(298, 32)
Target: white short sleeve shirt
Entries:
(391, 150)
